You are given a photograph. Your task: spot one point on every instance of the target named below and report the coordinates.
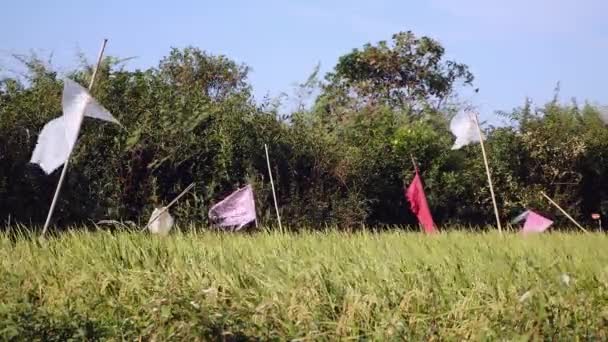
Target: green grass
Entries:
(310, 286)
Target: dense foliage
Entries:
(344, 160)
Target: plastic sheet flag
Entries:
(58, 136)
(236, 210)
(536, 223)
(52, 149)
(418, 204)
(162, 224)
(76, 96)
(464, 127)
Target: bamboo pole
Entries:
(65, 166)
(485, 161)
(563, 212)
(414, 163)
(274, 196)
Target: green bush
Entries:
(344, 161)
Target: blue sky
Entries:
(515, 48)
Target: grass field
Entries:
(309, 286)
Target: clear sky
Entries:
(515, 48)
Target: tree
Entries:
(216, 76)
(410, 74)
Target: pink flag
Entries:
(415, 195)
(536, 223)
(236, 210)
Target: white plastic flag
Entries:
(75, 95)
(58, 136)
(52, 149)
(162, 224)
(464, 127)
(236, 210)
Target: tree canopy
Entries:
(411, 73)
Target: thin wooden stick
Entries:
(563, 211)
(274, 196)
(65, 165)
(256, 212)
(485, 161)
(414, 163)
(169, 205)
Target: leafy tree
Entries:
(409, 74)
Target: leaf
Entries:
(133, 138)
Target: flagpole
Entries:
(485, 161)
(563, 212)
(65, 165)
(414, 162)
(274, 196)
(255, 208)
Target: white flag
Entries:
(237, 210)
(74, 95)
(58, 136)
(463, 126)
(52, 149)
(162, 223)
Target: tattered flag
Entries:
(236, 210)
(58, 136)
(418, 204)
(464, 127)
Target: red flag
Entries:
(415, 195)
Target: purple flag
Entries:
(236, 210)
(536, 223)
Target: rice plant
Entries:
(305, 286)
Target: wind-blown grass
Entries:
(317, 286)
